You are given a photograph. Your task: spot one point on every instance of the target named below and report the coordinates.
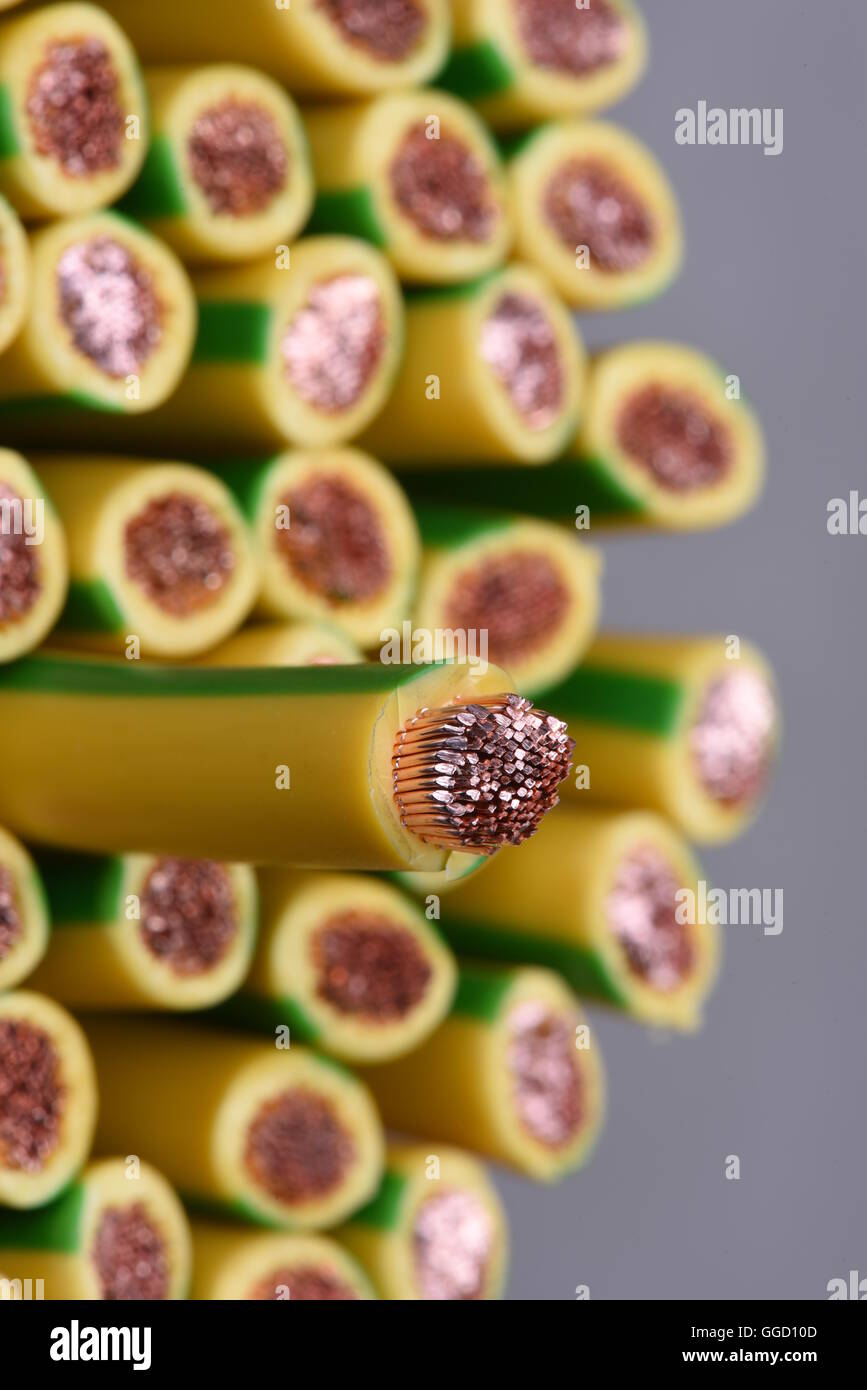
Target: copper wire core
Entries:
(178, 552)
(387, 29)
(369, 967)
(453, 1241)
(188, 914)
(477, 776)
(238, 157)
(109, 306)
(11, 926)
(20, 582)
(520, 346)
(587, 203)
(32, 1096)
(297, 1149)
(130, 1255)
(335, 543)
(641, 910)
(334, 345)
(732, 740)
(673, 434)
(442, 187)
(517, 597)
(558, 36)
(74, 110)
(547, 1085)
(306, 1284)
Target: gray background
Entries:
(774, 288)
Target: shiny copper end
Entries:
(477, 776)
